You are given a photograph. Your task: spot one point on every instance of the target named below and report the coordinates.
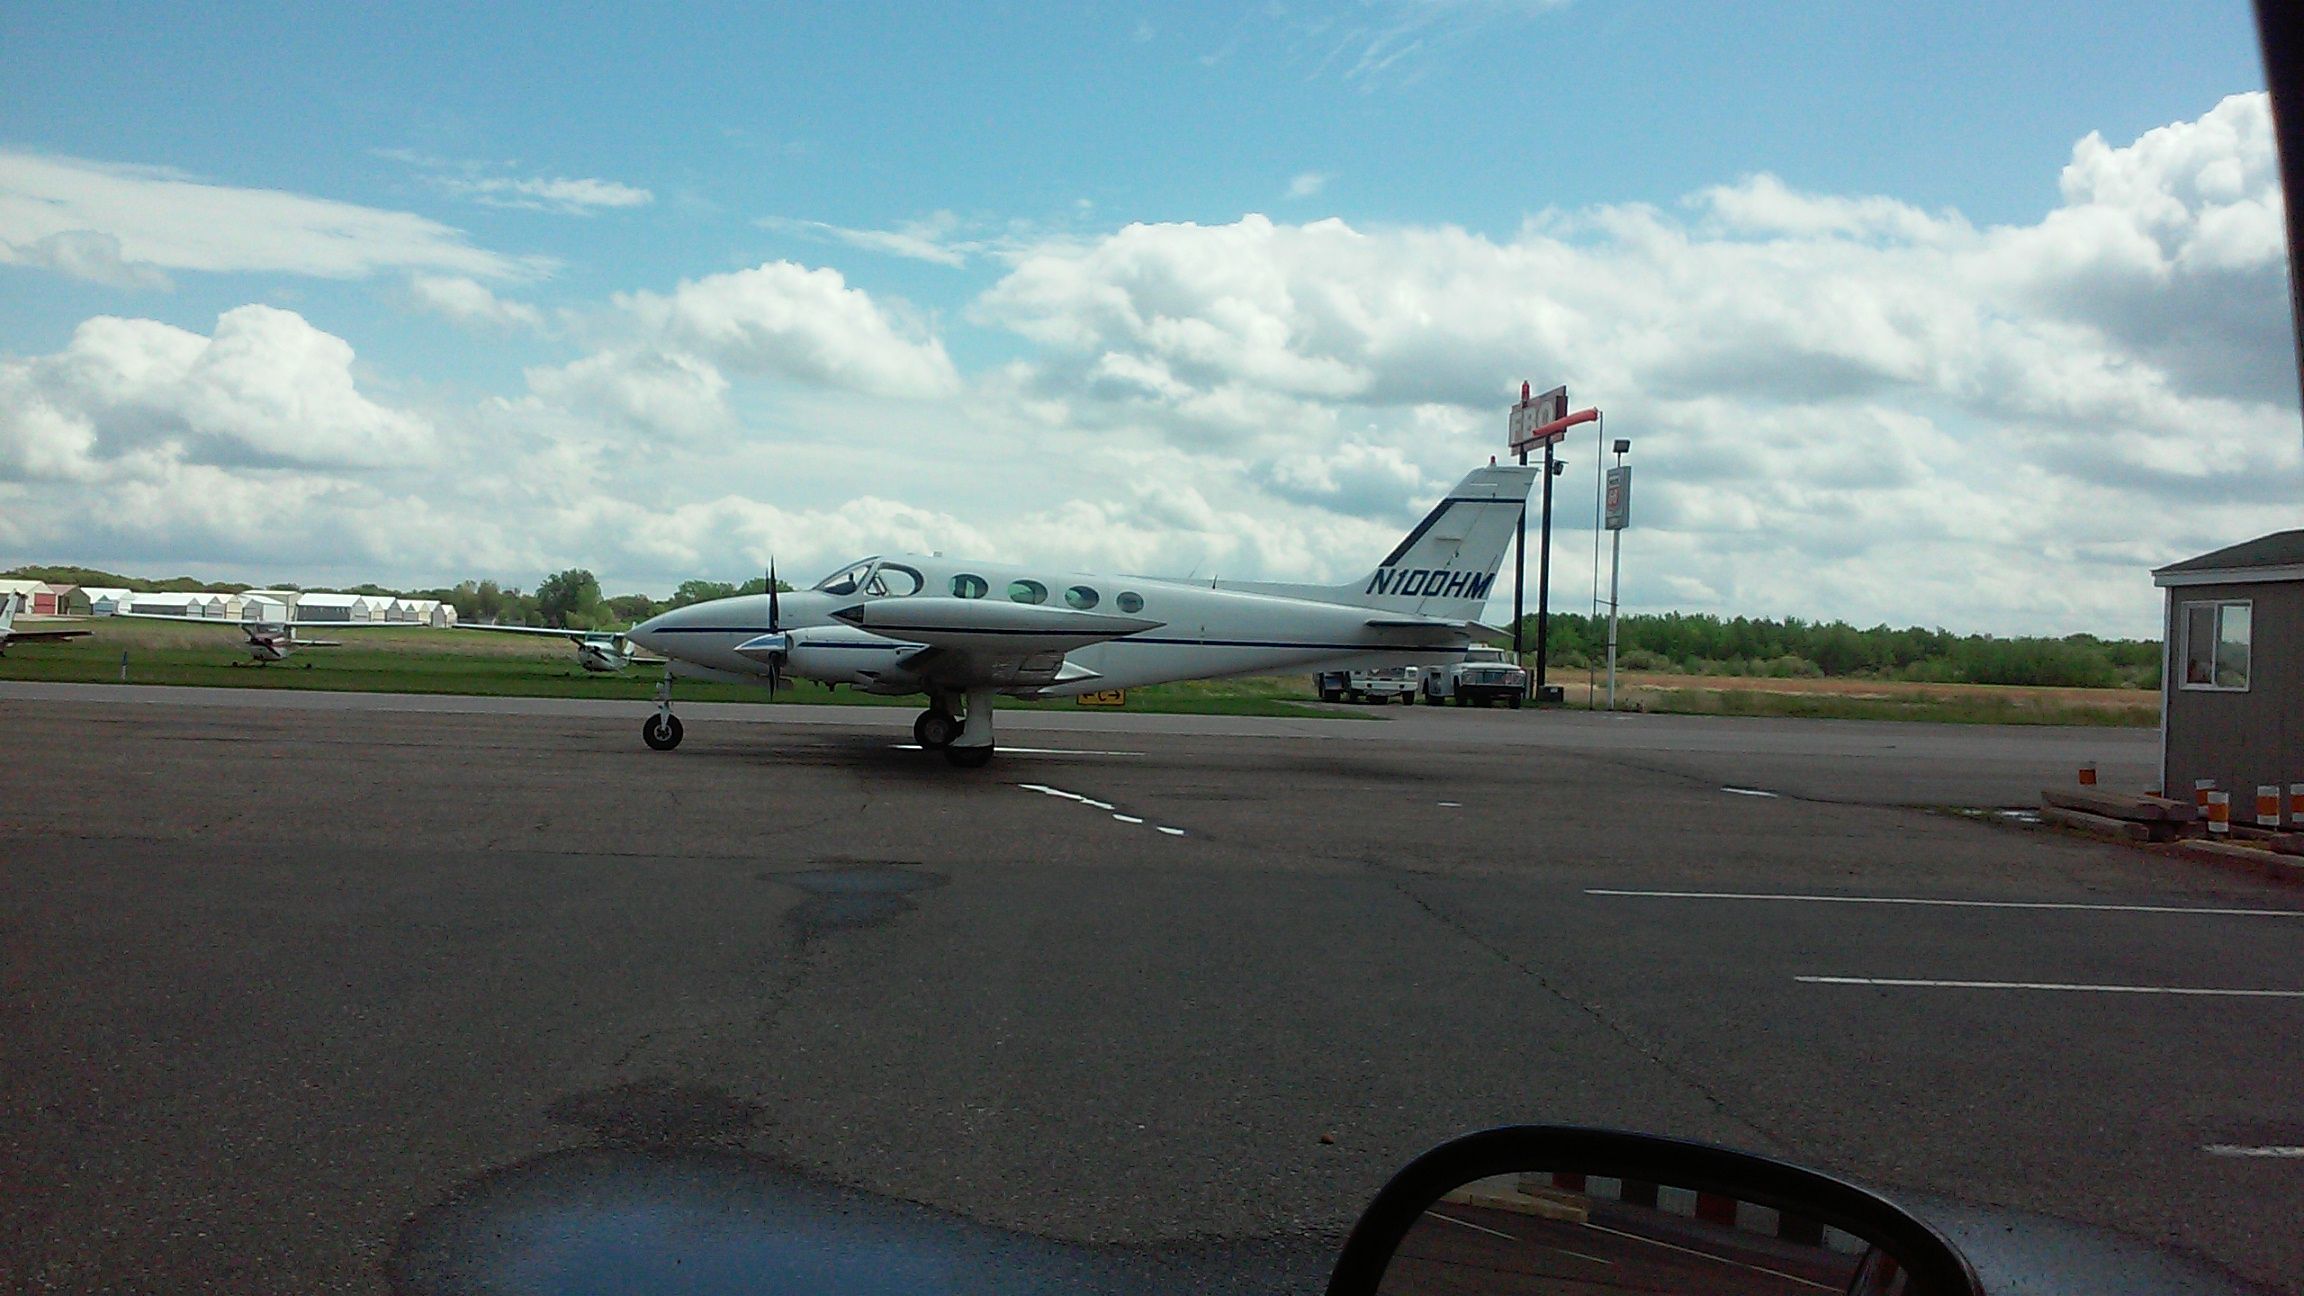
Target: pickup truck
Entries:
(1485, 676)
(1369, 685)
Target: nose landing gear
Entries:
(662, 730)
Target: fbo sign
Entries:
(1619, 509)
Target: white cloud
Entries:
(787, 320)
(553, 194)
(488, 185)
(129, 221)
(87, 254)
(649, 391)
(467, 301)
(1306, 184)
(1844, 403)
(266, 389)
(930, 239)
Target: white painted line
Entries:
(2204, 992)
(2276, 1153)
(1450, 1219)
(1452, 805)
(1027, 751)
(1173, 832)
(1094, 804)
(1127, 818)
(1949, 904)
(1707, 1255)
(1749, 792)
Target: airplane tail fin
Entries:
(1446, 565)
(8, 609)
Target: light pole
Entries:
(1619, 516)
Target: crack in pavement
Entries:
(1398, 879)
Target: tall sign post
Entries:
(1531, 414)
(1539, 421)
(1617, 515)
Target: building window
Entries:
(965, 586)
(1081, 597)
(1130, 602)
(2216, 639)
(1027, 591)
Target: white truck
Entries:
(1485, 676)
(1368, 685)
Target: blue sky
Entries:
(691, 286)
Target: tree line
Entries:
(568, 599)
(1699, 643)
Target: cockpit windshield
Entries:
(874, 579)
(848, 579)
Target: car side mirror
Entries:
(1536, 1209)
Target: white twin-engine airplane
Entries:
(964, 633)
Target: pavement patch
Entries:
(862, 895)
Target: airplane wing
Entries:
(980, 625)
(16, 634)
(967, 643)
(555, 631)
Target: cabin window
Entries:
(1027, 591)
(1130, 601)
(2216, 646)
(965, 586)
(1082, 597)
(893, 580)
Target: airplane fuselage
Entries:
(1194, 631)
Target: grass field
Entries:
(1862, 699)
(415, 660)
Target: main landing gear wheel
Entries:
(935, 729)
(969, 757)
(661, 732)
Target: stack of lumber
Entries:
(2133, 816)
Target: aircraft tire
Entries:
(969, 757)
(661, 733)
(934, 729)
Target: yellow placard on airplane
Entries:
(1109, 697)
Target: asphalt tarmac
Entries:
(303, 992)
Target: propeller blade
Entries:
(775, 623)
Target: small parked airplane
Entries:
(965, 633)
(271, 641)
(603, 652)
(10, 605)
